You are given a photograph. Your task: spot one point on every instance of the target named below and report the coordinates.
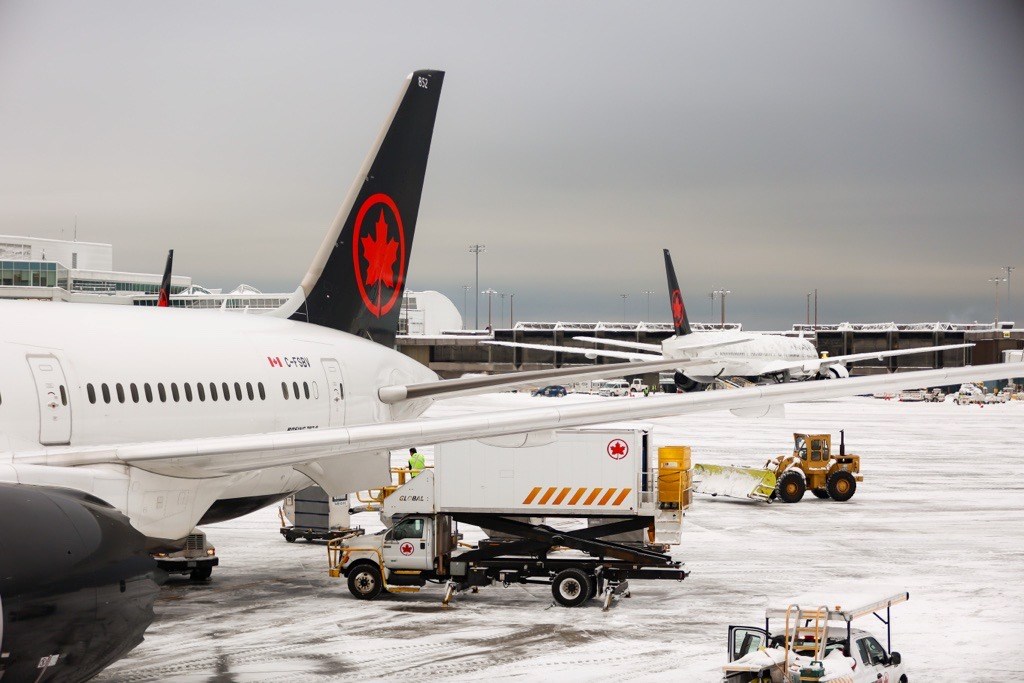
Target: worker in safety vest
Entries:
(416, 462)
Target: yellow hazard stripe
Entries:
(584, 495)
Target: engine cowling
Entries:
(77, 586)
(837, 371)
(685, 384)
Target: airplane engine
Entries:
(76, 584)
(686, 385)
(837, 371)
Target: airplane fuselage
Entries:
(752, 358)
(82, 375)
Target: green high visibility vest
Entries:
(416, 463)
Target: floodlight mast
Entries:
(477, 249)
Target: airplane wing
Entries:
(589, 353)
(684, 345)
(653, 348)
(815, 364)
(465, 386)
(232, 454)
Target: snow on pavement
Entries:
(941, 511)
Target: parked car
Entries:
(553, 391)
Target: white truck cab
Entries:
(817, 642)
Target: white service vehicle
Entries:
(614, 387)
(969, 394)
(197, 558)
(912, 396)
(818, 641)
(637, 386)
(633, 505)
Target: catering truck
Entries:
(632, 501)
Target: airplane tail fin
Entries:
(680, 321)
(164, 299)
(357, 277)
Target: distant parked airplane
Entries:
(707, 356)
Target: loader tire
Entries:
(841, 485)
(791, 487)
(571, 587)
(365, 581)
(820, 493)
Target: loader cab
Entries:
(813, 450)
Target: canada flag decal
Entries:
(678, 310)
(378, 253)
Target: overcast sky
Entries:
(874, 150)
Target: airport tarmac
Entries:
(940, 512)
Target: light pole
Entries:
(465, 298)
(722, 293)
(477, 249)
(711, 306)
(808, 309)
(996, 280)
(490, 293)
(1008, 269)
(511, 307)
(815, 309)
(624, 297)
(501, 318)
(648, 292)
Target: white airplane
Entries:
(707, 356)
(122, 428)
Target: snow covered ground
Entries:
(941, 512)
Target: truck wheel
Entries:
(201, 573)
(365, 581)
(791, 487)
(290, 538)
(820, 493)
(841, 485)
(571, 587)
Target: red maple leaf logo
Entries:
(380, 253)
(618, 449)
(677, 306)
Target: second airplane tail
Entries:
(680, 321)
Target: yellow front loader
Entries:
(812, 465)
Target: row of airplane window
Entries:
(197, 391)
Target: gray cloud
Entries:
(873, 150)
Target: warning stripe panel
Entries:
(584, 495)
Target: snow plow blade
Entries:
(750, 483)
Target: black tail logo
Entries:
(358, 274)
(680, 321)
(164, 299)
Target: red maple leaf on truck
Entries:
(380, 253)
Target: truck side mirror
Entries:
(895, 659)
